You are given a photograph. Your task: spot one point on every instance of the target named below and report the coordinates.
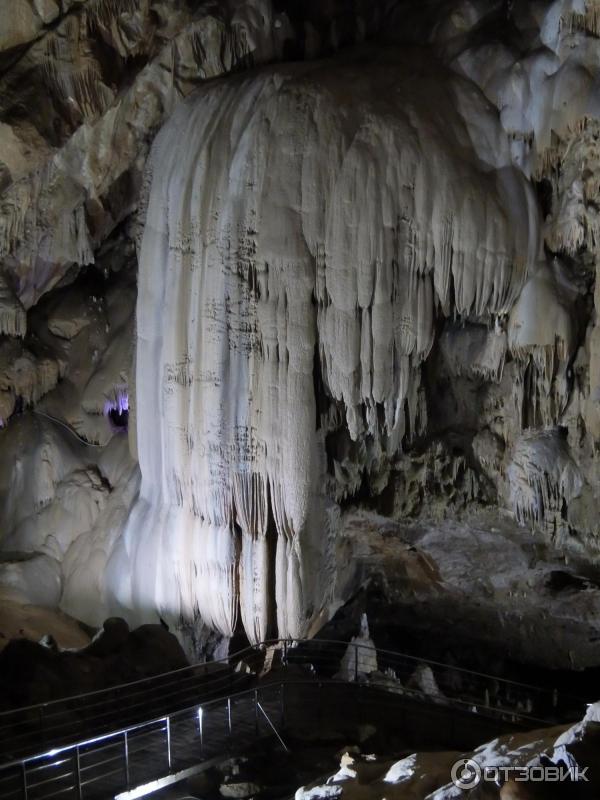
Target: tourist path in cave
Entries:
(146, 756)
(120, 741)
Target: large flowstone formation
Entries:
(305, 227)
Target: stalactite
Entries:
(13, 319)
(252, 510)
(541, 337)
(542, 477)
(588, 20)
(475, 350)
(25, 376)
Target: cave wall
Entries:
(364, 283)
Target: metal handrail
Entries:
(452, 669)
(137, 726)
(123, 733)
(428, 661)
(122, 736)
(273, 728)
(217, 701)
(254, 649)
(147, 679)
(109, 707)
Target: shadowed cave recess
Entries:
(298, 321)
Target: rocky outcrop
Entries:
(22, 620)
(570, 752)
(34, 672)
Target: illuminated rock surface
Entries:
(426, 775)
(365, 286)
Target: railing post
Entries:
(320, 707)
(24, 770)
(355, 662)
(41, 724)
(126, 751)
(169, 743)
(359, 704)
(201, 729)
(229, 719)
(77, 772)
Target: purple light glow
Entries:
(117, 408)
(120, 403)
